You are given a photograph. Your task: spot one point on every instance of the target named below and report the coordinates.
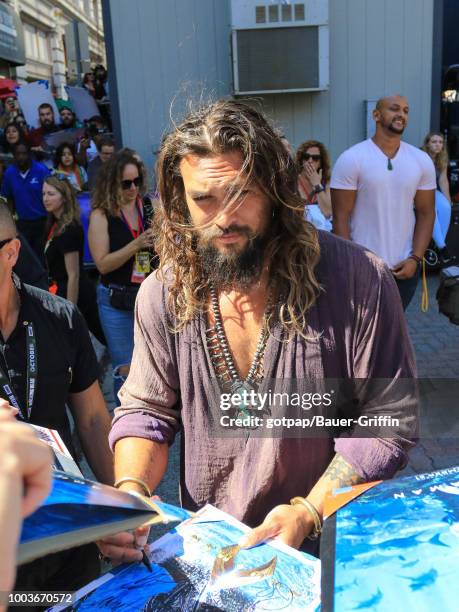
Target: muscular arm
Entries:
(343, 202)
(338, 474)
(291, 524)
(424, 202)
(93, 424)
(142, 459)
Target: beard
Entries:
(395, 130)
(232, 269)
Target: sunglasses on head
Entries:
(308, 156)
(3, 242)
(126, 184)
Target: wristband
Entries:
(416, 258)
(137, 481)
(313, 512)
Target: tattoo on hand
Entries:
(342, 472)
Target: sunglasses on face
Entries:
(308, 156)
(126, 184)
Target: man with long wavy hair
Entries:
(250, 291)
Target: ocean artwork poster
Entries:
(75, 504)
(397, 547)
(198, 567)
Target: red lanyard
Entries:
(50, 235)
(140, 229)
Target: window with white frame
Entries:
(36, 43)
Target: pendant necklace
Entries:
(389, 164)
(240, 388)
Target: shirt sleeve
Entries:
(384, 383)
(428, 178)
(149, 397)
(345, 173)
(85, 368)
(71, 240)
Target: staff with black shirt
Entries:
(47, 362)
(64, 251)
(121, 244)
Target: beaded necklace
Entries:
(223, 362)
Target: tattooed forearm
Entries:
(341, 473)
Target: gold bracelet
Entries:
(141, 484)
(313, 512)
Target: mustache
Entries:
(217, 232)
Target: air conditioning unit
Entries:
(280, 46)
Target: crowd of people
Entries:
(247, 289)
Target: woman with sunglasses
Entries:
(65, 164)
(313, 164)
(121, 242)
(64, 250)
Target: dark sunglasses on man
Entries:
(308, 156)
(126, 184)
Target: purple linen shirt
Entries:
(357, 329)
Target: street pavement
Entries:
(436, 345)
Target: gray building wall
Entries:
(164, 51)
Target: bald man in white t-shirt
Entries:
(383, 195)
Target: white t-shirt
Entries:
(383, 217)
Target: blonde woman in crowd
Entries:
(64, 251)
(434, 146)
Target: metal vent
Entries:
(273, 11)
(272, 59)
(299, 12)
(260, 14)
(286, 12)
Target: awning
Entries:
(8, 88)
(11, 36)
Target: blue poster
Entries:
(75, 504)
(397, 546)
(199, 567)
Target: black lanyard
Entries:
(32, 372)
